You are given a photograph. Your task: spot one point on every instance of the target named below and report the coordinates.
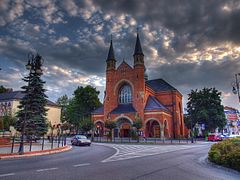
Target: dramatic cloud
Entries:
(192, 44)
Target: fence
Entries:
(144, 140)
(36, 144)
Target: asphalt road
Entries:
(175, 162)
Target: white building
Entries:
(233, 121)
(10, 101)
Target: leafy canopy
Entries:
(84, 101)
(204, 107)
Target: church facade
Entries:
(129, 95)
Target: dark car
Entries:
(80, 140)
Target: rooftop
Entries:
(154, 104)
(18, 95)
(159, 85)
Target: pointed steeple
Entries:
(111, 61)
(138, 47)
(111, 52)
(138, 53)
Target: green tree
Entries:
(110, 124)
(8, 120)
(3, 89)
(32, 112)
(86, 125)
(84, 101)
(204, 107)
(63, 101)
(138, 125)
(187, 121)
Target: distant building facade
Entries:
(129, 94)
(233, 121)
(10, 101)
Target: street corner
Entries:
(36, 153)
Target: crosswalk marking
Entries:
(124, 152)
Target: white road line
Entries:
(9, 174)
(79, 165)
(49, 169)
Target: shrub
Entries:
(226, 153)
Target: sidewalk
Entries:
(36, 150)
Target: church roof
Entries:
(18, 95)
(154, 104)
(99, 110)
(111, 53)
(123, 108)
(159, 85)
(138, 47)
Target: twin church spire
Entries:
(138, 55)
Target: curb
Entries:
(36, 153)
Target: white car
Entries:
(80, 140)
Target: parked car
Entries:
(80, 140)
(214, 137)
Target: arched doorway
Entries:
(153, 129)
(124, 127)
(99, 129)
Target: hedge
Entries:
(226, 153)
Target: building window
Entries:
(125, 94)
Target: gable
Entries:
(124, 67)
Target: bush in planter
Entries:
(226, 153)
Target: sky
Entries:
(189, 43)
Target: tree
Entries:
(63, 101)
(84, 101)
(204, 107)
(3, 89)
(32, 112)
(137, 124)
(8, 120)
(86, 125)
(109, 124)
(187, 121)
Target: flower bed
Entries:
(226, 153)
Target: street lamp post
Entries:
(236, 85)
(192, 127)
(34, 66)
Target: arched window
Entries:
(125, 94)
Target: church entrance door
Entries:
(125, 127)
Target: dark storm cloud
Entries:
(194, 75)
(195, 21)
(74, 36)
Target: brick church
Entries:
(129, 94)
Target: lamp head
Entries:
(234, 90)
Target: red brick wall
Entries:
(115, 78)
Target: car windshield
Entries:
(81, 137)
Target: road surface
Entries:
(119, 162)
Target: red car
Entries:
(214, 138)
